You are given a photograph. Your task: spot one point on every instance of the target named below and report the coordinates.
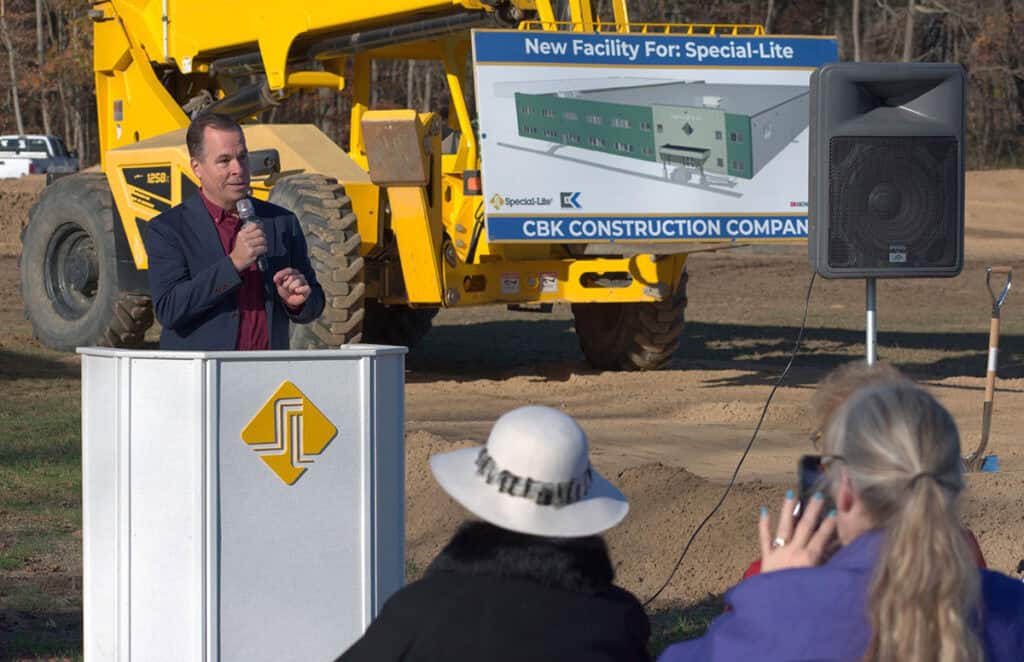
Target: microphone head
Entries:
(245, 209)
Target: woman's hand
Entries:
(796, 546)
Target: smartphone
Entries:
(811, 477)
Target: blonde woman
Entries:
(905, 585)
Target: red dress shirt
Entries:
(252, 315)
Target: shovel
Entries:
(976, 459)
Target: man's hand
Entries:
(250, 243)
(292, 287)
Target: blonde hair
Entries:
(844, 381)
(901, 451)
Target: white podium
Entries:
(239, 505)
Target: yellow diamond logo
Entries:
(497, 201)
(287, 431)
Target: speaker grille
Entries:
(893, 202)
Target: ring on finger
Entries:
(778, 542)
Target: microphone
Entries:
(247, 214)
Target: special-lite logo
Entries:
(287, 431)
(498, 201)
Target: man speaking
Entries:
(220, 281)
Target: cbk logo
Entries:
(571, 200)
(497, 201)
(287, 432)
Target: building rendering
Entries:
(717, 128)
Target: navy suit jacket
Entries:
(194, 285)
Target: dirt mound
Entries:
(666, 504)
(430, 516)
(16, 197)
(994, 510)
(993, 199)
(740, 412)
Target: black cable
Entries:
(746, 451)
(478, 227)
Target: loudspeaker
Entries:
(886, 190)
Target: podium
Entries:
(239, 505)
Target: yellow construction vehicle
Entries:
(394, 224)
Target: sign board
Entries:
(636, 137)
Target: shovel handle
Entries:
(993, 356)
(997, 300)
(975, 459)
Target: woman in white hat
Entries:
(532, 580)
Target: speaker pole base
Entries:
(871, 326)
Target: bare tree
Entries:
(11, 57)
(775, 9)
(855, 21)
(908, 33)
(44, 108)
(410, 77)
(1013, 62)
(427, 81)
(48, 79)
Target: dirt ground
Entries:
(671, 439)
(16, 197)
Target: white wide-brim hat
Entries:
(533, 476)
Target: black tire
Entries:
(631, 336)
(325, 214)
(68, 263)
(396, 324)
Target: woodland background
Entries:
(46, 82)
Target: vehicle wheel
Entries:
(396, 324)
(68, 266)
(631, 336)
(325, 214)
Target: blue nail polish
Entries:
(818, 496)
(789, 494)
(764, 511)
(832, 513)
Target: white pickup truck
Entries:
(16, 166)
(47, 154)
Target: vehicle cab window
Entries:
(59, 149)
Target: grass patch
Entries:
(413, 571)
(36, 594)
(40, 517)
(40, 456)
(683, 623)
(28, 546)
(40, 469)
(45, 637)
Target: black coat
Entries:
(495, 595)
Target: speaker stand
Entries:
(871, 326)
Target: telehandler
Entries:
(394, 225)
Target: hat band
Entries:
(542, 492)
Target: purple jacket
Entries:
(820, 614)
